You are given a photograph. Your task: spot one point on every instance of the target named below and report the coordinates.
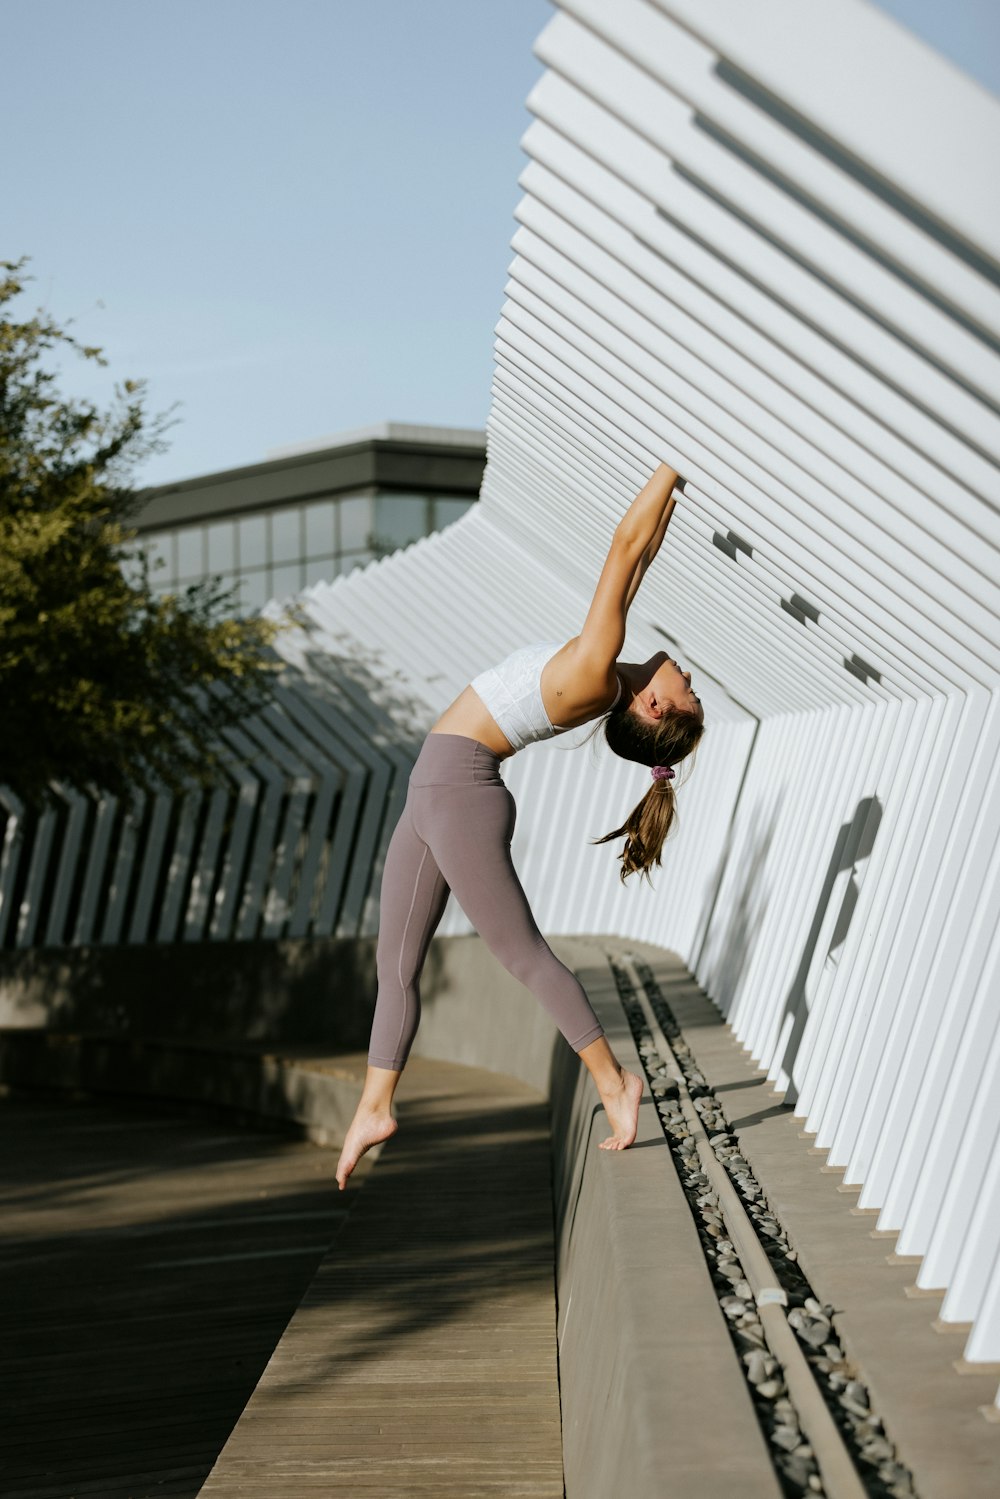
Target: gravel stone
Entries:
(877, 1449)
(770, 1388)
(816, 1333)
(796, 1469)
(760, 1366)
(751, 1336)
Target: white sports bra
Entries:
(512, 691)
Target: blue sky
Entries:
(291, 216)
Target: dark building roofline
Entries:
(442, 460)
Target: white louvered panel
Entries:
(852, 73)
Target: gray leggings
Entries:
(454, 834)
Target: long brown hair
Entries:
(665, 742)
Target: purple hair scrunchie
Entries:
(663, 772)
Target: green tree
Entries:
(102, 682)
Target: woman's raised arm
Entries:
(635, 543)
(651, 550)
(644, 517)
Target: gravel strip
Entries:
(883, 1474)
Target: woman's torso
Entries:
(561, 700)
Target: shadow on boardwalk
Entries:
(152, 1260)
(423, 1356)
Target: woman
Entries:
(456, 826)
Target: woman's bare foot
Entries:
(622, 1109)
(367, 1129)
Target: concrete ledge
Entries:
(648, 1371)
(318, 1093)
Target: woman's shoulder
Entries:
(576, 687)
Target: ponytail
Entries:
(661, 744)
(645, 830)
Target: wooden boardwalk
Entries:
(149, 1262)
(422, 1360)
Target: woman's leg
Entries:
(471, 834)
(413, 898)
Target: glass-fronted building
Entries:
(308, 513)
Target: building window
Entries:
(320, 570)
(276, 553)
(252, 534)
(447, 510)
(321, 529)
(286, 534)
(254, 590)
(286, 580)
(190, 552)
(355, 517)
(221, 546)
(399, 520)
(160, 550)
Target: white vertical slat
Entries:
(198, 909)
(86, 928)
(31, 916)
(68, 858)
(142, 924)
(10, 856)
